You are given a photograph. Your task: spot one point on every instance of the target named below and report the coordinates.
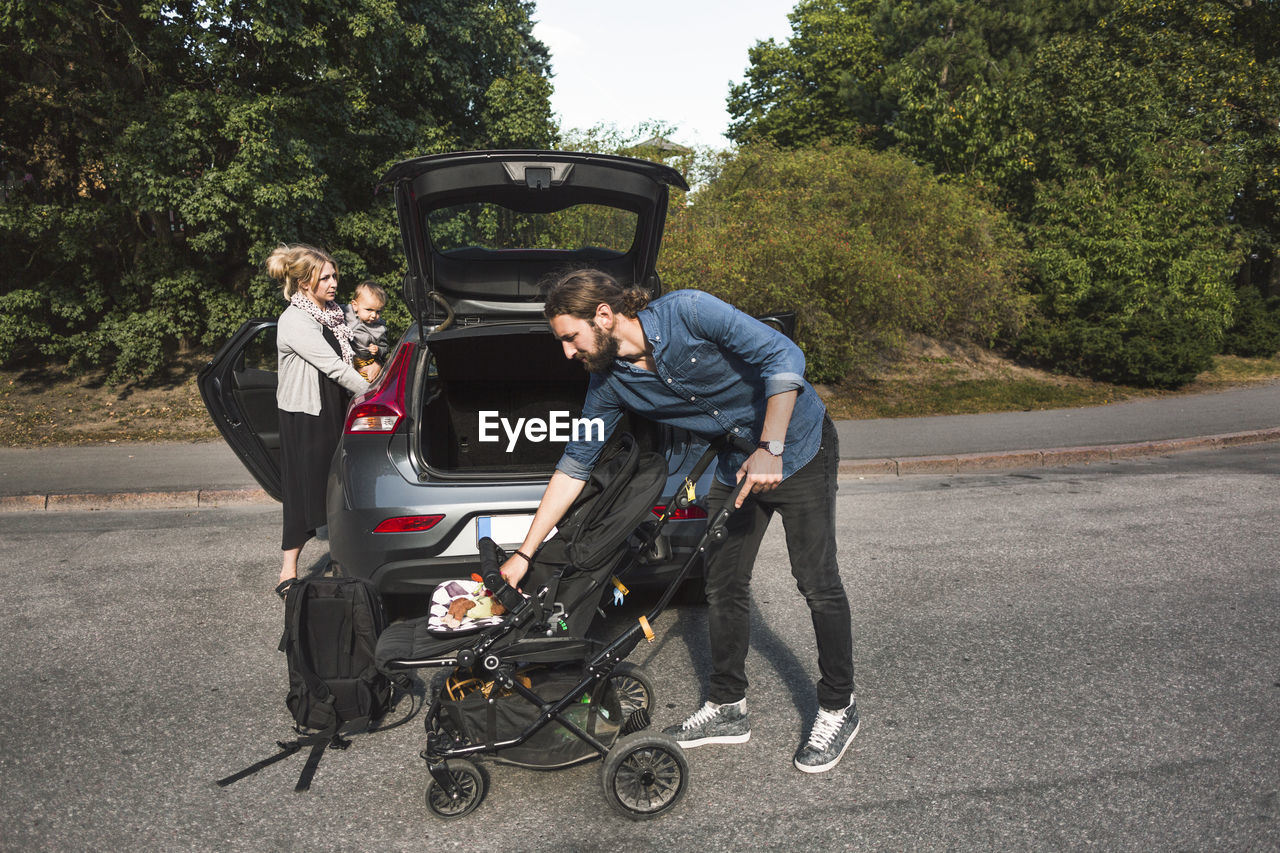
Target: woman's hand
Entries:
(370, 371)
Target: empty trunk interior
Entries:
(513, 370)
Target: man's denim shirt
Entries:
(716, 368)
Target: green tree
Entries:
(1219, 67)
(154, 152)
(1128, 106)
(1132, 281)
(941, 91)
(1143, 186)
(792, 92)
(921, 75)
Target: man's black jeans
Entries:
(807, 503)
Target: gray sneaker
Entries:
(713, 723)
(832, 733)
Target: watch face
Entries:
(774, 447)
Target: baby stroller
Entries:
(533, 689)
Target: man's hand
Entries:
(514, 570)
(762, 472)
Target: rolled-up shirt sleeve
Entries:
(580, 454)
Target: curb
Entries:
(189, 499)
(1052, 457)
(897, 467)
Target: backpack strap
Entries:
(319, 743)
(331, 738)
(287, 748)
(309, 769)
(405, 684)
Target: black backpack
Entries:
(331, 628)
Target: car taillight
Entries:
(685, 514)
(369, 417)
(408, 524)
(380, 409)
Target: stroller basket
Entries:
(484, 713)
(534, 690)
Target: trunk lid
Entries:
(482, 229)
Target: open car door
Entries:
(239, 390)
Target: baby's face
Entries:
(366, 307)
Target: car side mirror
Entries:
(782, 321)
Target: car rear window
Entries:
(485, 225)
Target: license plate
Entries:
(506, 530)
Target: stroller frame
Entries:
(644, 773)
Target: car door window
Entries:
(255, 377)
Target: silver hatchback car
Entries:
(459, 435)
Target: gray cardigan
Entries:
(303, 355)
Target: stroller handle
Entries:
(716, 531)
(491, 559)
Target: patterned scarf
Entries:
(331, 316)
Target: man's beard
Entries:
(605, 353)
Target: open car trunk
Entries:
(484, 375)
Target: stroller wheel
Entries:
(644, 775)
(633, 686)
(472, 786)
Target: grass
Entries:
(1229, 371)
(939, 385)
(956, 396)
(45, 407)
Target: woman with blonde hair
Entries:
(315, 381)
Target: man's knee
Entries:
(822, 589)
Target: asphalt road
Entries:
(1055, 659)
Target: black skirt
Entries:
(307, 445)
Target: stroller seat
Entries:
(412, 645)
(409, 645)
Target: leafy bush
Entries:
(1255, 332)
(865, 247)
(1132, 283)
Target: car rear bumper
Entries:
(366, 487)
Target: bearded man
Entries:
(692, 361)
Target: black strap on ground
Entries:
(309, 769)
(319, 742)
(287, 748)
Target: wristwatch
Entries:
(774, 447)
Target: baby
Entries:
(368, 332)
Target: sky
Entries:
(627, 62)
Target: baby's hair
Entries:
(373, 290)
(297, 265)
